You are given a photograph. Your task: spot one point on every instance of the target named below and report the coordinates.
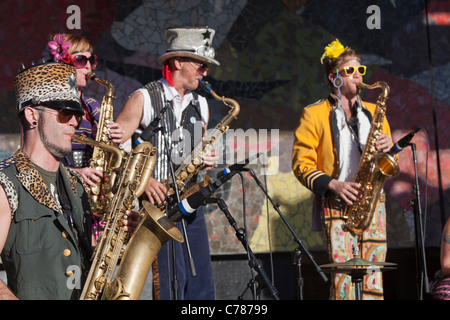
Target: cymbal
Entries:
(358, 263)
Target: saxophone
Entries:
(102, 159)
(156, 228)
(192, 164)
(374, 169)
(136, 169)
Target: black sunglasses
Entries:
(64, 116)
(80, 61)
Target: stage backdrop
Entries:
(270, 64)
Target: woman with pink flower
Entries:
(78, 51)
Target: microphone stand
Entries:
(422, 273)
(299, 249)
(183, 223)
(254, 263)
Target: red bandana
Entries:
(167, 74)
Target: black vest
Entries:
(180, 138)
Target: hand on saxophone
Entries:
(131, 222)
(347, 191)
(210, 159)
(383, 143)
(115, 132)
(156, 191)
(91, 176)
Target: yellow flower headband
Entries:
(333, 50)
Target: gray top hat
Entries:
(52, 84)
(191, 42)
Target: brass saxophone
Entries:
(136, 169)
(102, 159)
(192, 164)
(374, 169)
(156, 228)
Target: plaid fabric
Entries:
(372, 247)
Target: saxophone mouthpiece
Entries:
(205, 85)
(361, 85)
(90, 76)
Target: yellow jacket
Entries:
(316, 144)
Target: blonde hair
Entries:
(79, 43)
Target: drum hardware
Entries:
(301, 247)
(357, 268)
(254, 263)
(240, 233)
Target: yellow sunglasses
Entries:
(349, 70)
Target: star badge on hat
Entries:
(52, 84)
(190, 42)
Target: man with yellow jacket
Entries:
(327, 149)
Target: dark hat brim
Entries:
(66, 105)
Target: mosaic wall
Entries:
(269, 53)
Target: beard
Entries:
(57, 151)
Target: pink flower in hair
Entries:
(58, 48)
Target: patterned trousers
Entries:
(372, 246)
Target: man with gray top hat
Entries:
(45, 217)
(187, 60)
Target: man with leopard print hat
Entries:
(45, 218)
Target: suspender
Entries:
(189, 116)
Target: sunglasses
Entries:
(349, 71)
(80, 61)
(64, 116)
(200, 67)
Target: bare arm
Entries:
(130, 116)
(5, 293)
(5, 222)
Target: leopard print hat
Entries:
(51, 84)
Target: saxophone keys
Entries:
(107, 259)
(184, 175)
(99, 283)
(191, 167)
(95, 190)
(196, 162)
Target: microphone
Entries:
(403, 142)
(151, 129)
(237, 166)
(188, 205)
